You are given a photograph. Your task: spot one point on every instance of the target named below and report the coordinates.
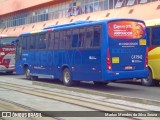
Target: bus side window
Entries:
(19, 44)
(75, 35)
(47, 39)
(28, 42)
(156, 36)
(62, 39)
(96, 37)
(89, 37)
(36, 39)
(24, 43)
(56, 40)
(32, 42)
(51, 40)
(68, 39)
(42, 41)
(81, 37)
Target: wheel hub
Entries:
(66, 77)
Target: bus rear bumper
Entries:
(111, 76)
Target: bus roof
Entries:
(75, 24)
(2, 35)
(80, 22)
(6, 36)
(154, 22)
(68, 24)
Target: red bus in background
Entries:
(7, 54)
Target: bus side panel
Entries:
(87, 65)
(45, 63)
(104, 46)
(154, 61)
(25, 59)
(19, 67)
(83, 64)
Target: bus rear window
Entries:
(126, 29)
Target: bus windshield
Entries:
(7, 57)
(6, 41)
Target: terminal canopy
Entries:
(154, 22)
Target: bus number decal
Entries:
(136, 58)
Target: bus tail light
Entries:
(146, 60)
(108, 60)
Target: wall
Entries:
(11, 6)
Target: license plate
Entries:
(115, 59)
(128, 67)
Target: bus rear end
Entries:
(126, 52)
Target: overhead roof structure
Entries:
(146, 11)
(153, 22)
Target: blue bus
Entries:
(98, 51)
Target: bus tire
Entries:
(27, 73)
(156, 82)
(66, 77)
(98, 83)
(9, 72)
(34, 78)
(149, 80)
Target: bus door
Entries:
(33, 46)
(40, 55)
(127, 46)
(19, 47)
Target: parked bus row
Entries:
(98, 51)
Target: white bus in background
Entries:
(7, 54)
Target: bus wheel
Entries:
(27, 73)
(67, 77)
(9, 72)
(148, 81)
(156, 82)
(97, 83)
(34, 77)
